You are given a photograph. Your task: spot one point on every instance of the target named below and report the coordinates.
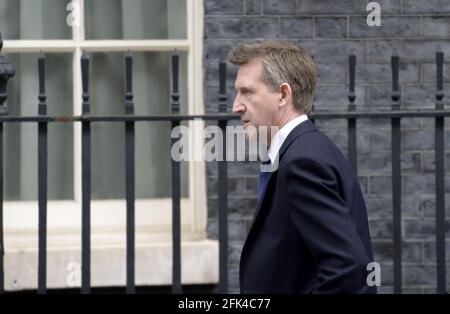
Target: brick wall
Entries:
(330, 30)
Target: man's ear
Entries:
(285, 95)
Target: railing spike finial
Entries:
(222, 86)
(395, 65)
(42, 106)
(129, 105)
(352, 70)
(439, 78)
(6, 72)
(85, 82)
(175, 106)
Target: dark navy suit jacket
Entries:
(310, 232)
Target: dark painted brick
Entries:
(217, 50)
(389, 7)
(381, 228)
(386, 289)
(233, 279)
(411, 123)
(234, 252)
(395, 26)
(248, 28)
(337, 137)
(375, 163)
(296, 27)
(387, 274)
(428, 162)
(447, 162)
(381, 73)
(224, 7)
(380, 185)
(362, 141)
(412, 251)
(211, 99)
(279, 7)
(411, 206)
(419, 96)
(382, 250)
(429, 73)
(418, 139)
(236, 168)
(236, 186)
(237, 230)
(253, 7)
(374, 124)
(419, 184)
(363, 182)
(380, 140)
(430, 251)
(332, 73)
(436, 26)
(380, 96)
(212, 229)
(422, 228)
(344, 7)
(335, 97)
(212, 186)
(331, 27)
(411, 162)
(212, 74)
(428, 204)
(326, 125)
(429, 6)
(336, 50)
(251, 185)
(419, 275)
(406, 49)
(379, 206)
(447, 143)
(242, 206)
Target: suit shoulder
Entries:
(315, 145)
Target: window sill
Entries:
(108, 265)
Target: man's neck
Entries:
(285, 119)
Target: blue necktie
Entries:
(263, 176)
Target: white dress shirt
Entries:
(279, 137)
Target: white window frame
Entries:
(153, 216)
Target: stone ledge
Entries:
(108, 265)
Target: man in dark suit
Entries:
(310, 231)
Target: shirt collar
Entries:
(279, 137)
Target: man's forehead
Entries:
(249, 72)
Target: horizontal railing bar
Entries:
(328, 115)
(381, 114)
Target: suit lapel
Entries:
(302, 128)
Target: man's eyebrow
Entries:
(243, 88)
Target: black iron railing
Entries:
(222, 118)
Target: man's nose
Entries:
(238, 107)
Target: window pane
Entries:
(20, 144)
(34, 19)
(151, 87)
(135, 19)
